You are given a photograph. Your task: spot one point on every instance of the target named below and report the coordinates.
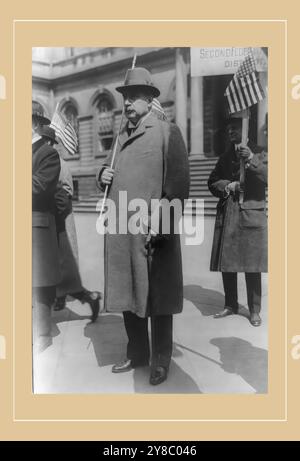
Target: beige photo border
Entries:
(276, 412)
(112, 24)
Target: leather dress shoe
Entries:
(255, 319)
(158, 375)
(224, 313)
(93, 299)
(127, 365)
(122, 367)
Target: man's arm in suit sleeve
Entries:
(216, 183)
(63, 201)
(258, 167)
(45, 177)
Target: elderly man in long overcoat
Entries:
(240, 236)
(151, 163)
(45, 264)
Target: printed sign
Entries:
(221, 61)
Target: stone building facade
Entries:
(82, 82)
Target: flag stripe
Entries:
(246, 92)
(258, 89)
(69, 136)
(253, 81)
(240, 94)
(251, 89)
(231, 86)
(230, 102)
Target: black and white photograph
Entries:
(149, 220)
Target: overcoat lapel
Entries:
(124, 139)
(36, 145)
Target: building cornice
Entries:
(162, 55)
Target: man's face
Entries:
(137, 104)
(235, 132)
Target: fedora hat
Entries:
(49, 133)
(138, 78)
(38, 112)
(233, 120)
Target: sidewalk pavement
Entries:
(209, 355)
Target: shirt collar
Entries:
(132, 127)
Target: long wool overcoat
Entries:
(240, 242)
(67, 237)
(151, 163)
(45, 174)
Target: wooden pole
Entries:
(115, 149)
(245, 131)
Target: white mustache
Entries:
(131, 106)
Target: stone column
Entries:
(181, 94)
(197, 131)
(52, 103)
(262, 109)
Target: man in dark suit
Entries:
(240, 236)
(45, 264)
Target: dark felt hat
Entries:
(233, 120)
(138, 78)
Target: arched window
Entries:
(38, 101)
(104, 122)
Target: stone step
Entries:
(199, 185)
(201, 188)
(200, 182)
(201, 168)
(206, 166)
(199, 175)
(202, 162)
(209, 204)
(198, 192)
(91, 199)
(210, 161)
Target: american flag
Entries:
(158, 110)
(244, 90)
(65, 131)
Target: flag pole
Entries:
(243, 91)
(115, 149)
(245, 131)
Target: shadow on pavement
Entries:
(64, 315)
(177, 353)
(208, 302)
(178, 382)
(109, 339)
(240, 357)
